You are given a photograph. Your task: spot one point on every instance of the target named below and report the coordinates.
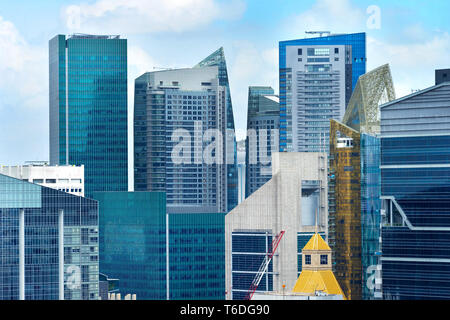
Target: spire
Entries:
(315, 221)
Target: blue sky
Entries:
(413, 37)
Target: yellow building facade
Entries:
(344, 219)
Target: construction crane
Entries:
(319, 32)
(262, 269)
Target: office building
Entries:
(217, 58)
(354, 187)
(294, 200)
(88, 108)
(157, 255)
(263, 117)
(69, 179)
(415, 188)
(182, 105)
(49, 243)
(317, 77)
(132, 242)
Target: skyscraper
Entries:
(217, 58)
(181, 148)
(317, 76)
(415, 188)
(88, 108)
(182, 106)
(263, 117)
(354, 188)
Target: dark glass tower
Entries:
(263, 118)
(415, 189)
(88, 108)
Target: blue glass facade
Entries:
(133, 241)
(197, 256)
(54, 230)
(370, 212)
(248, 252)
(88, 108)
(415, 173)
(354, 68)
(160, 256)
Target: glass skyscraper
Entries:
(217, 58)
(263, 117)
(415, 189)
(49, 243)
(317, 76)
(88, 108)
(189, 102)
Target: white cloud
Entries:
(329, 15)
(23, 98)
(412, 64)
(23, 73)
(147, 16)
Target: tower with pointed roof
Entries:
(217, 58)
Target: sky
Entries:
(413, 36)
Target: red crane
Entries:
(262, 269)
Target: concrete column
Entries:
(22, 254)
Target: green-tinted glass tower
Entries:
(160, 256)
(88, 108)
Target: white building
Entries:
(68, 179)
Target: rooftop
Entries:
(92, 36)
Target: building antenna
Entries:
(315, 222)
(318, 32)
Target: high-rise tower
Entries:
(88, 108)
(317, 76)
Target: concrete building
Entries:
(69, 179)
(290, 201)
(317, 77)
